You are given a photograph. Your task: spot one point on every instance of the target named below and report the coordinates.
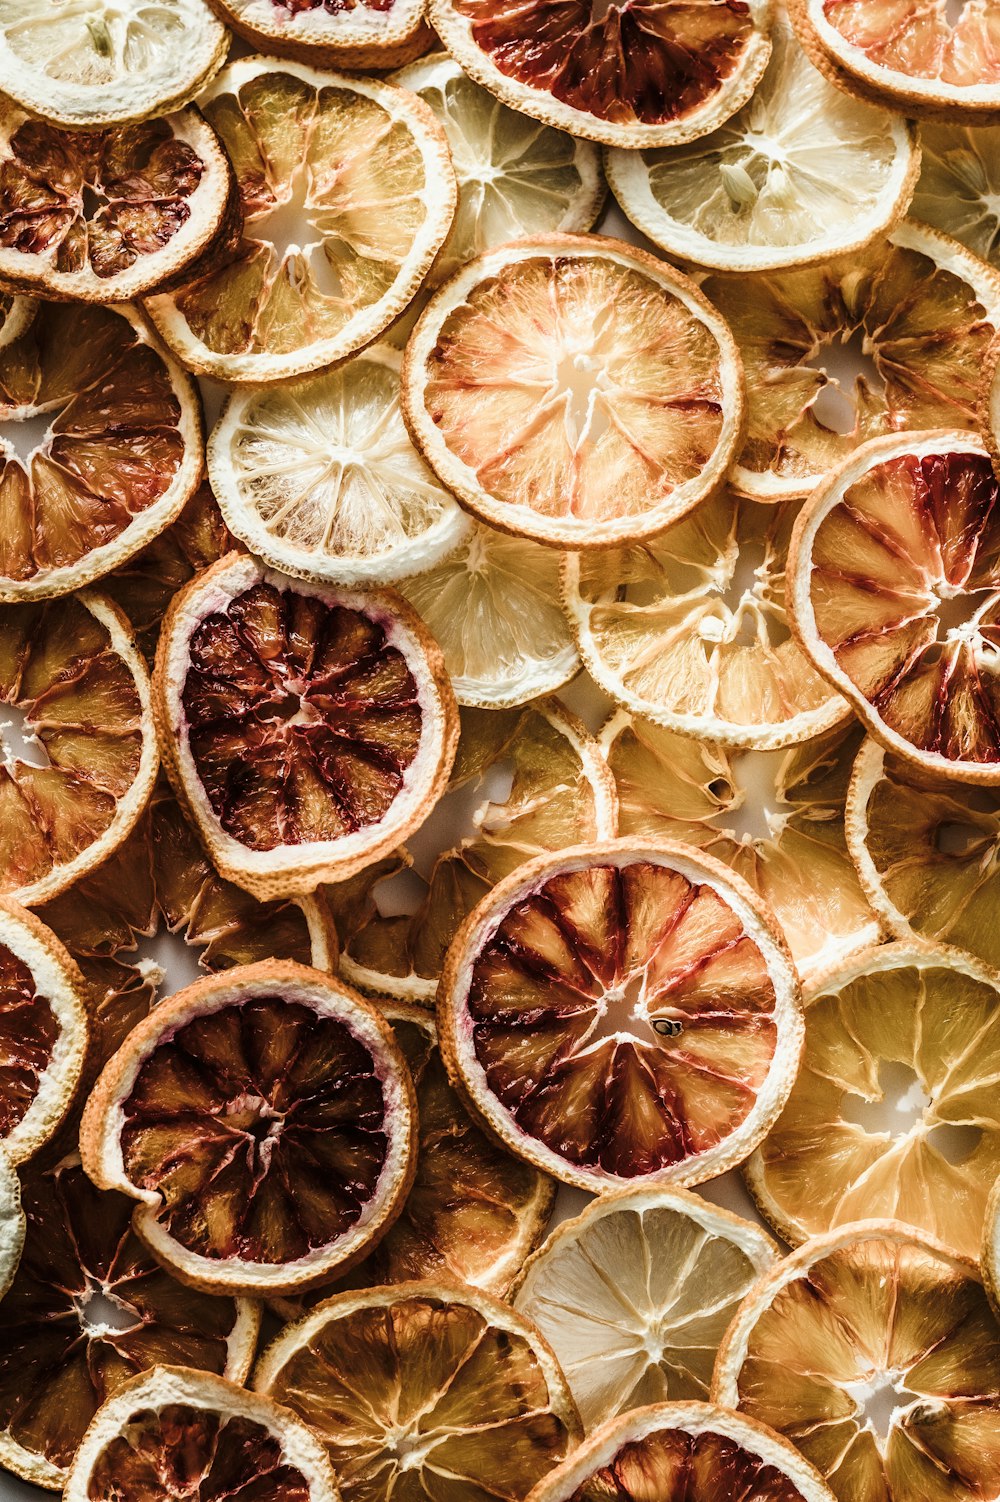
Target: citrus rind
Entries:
(12, 1223)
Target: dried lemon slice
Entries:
(958, 190)
(348, 194)
(362, 34)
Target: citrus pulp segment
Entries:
(13, 1223)
(623, 1013)
(360, 34)
(958, 190)
(348, 194)
(553, 418)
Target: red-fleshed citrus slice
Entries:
(265, 1122)
(88, 1308)
(890, 303)
(332, 33)
(874, 1350)
(308, 728)
(624, 1013)
(175, 1432)
(549, 417)
(536, 780)
(425, 1390)
(647, 74)
(348, 194)
(895, 595)
(893, 1110)
(13, 1223)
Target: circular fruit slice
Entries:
(801, 173)
(872, 1349)
(958, 190)
(421, 1382)
(174, 1432)
(624, 1013)
(307, 728)
(635, 1294)
(81, 756)
(535, 780)
(12, 1223)
(264, 1121)
(88, 1308)
(361, 34)
(550, 418)
(348, 194)
(888, 304)
(514, 179)
(320, 479)
(689, 629)
(650, 74)
(895, 595)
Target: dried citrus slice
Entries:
(801, 173)
(689, 629)
(264, 1120)
(175, 1431)
(13, 1223)
(635, 1294)
(88, 1308)
(348, 193)
(16, 313)
(319, 477)
(623, 1013)
(536, 781)
(425, 1389)
(873, 1349)
(331, 33)
(894, 585)
(552, 419)
(307, 728)
(889, 304)
(958, 190)
(653, 74)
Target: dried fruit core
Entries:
(28, 1034)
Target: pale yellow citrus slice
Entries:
(13, 1223)
(330, 34)
(348, 194)
(573, 390)
(958, 190)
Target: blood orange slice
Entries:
(13, 1223)
(332, 34)
(623, 1013)
(307, 728)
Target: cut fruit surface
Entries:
(13, 1223)
(635, 1294)
(332, 33)
(319, 478)
(88, 1308)
(348, 193)
(799, 174)
(550, 418)
(881, 311)
(874, 1350)
(895, 596)
(958, 190)
(623, 1013)
(422, 1383)
(307, 728)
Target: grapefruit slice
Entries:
(331, 34)
(13, 1223)
(958, 190)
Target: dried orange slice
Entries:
(658, 72)
(894, 586)
(348, 194)
(958, 190)
(873, 1349)
(331, 34)
(624, 1013)
(174, 1430)
(888, 304)
(550, 418)
(13, 1223)
(425, 1383)
(88, 1308)
(307, 728)
(264, 1121)
(635, 1294)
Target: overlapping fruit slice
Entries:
(874, 1350)
(917, 312)
(553, 417)
(635, 1294)
(332, 33)
(895, 596)
(426, 1389)
(348, 193)
(88, 1308)
(958, 190)
(13, 1223)
(307, 728)
(623, 1013)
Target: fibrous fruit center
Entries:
(850, 366)
(101, 1312)
(27, 429)
(752, 818)
(880, 1398)
(905, 1110)
(18, 740)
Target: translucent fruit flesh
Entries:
(674, 1466)
(29, 1032)
(920, 38)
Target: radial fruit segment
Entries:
(426, 1380)
(553, 417)
(90, 1307)
(332, 33)
(308, 728)
(958, 190)
(895, 595)
(874, 1350)
(623, 1013)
